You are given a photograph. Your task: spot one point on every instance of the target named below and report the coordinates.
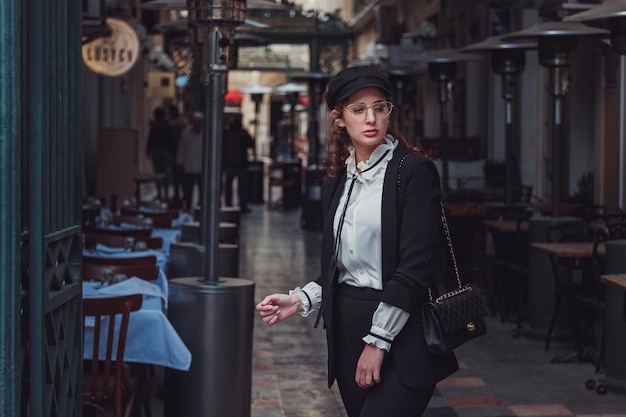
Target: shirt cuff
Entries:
(306, 301)
(375, 340)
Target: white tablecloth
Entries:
(151, 338)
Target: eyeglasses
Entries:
(359, 111)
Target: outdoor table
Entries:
(570, 249)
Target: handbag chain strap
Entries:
(461, 289)
(446, 229)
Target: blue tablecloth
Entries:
(169, 236)
(151, 338)
(103, 251)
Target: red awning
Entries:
(233, 96)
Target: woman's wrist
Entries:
(300, 299)
(297, 300)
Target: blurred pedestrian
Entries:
(160, 148)
(178, 123)
(238, 145)
(189, 157)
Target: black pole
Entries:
(508, 135)
(443, 99)
(292, 99)
(212, 149)
(556, 157)
(257, 98)
(558, 91)
(312, 131)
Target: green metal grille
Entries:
(41, 212)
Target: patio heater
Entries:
(222, 351)
(256, 94)
(507, 60)
(442, 66)
(557, 42)
(312, 205)
(400, 77)
(612, 16)
(291, 92)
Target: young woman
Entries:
(382, 247)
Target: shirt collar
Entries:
(389, 145)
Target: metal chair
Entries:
(106, 378)
(507, 264)
(591, 299)
(564, 269)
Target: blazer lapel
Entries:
(330, 202)
(389, 214)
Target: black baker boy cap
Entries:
(350, 80)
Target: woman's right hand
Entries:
(278, 307)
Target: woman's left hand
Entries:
(368, 367)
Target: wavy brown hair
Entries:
(339, 142)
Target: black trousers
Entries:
(189, 181)
(353, 308)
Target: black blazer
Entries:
(412, 248)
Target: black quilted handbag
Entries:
(457, 316)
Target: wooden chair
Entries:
(109, 380)
(134, 220)
(160, 218)
(94, 271)
(139, 260)
(142, 232)
(90, 240)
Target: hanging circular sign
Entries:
(115, 54)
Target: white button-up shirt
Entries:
(360, 255)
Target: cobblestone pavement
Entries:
(500, 375)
